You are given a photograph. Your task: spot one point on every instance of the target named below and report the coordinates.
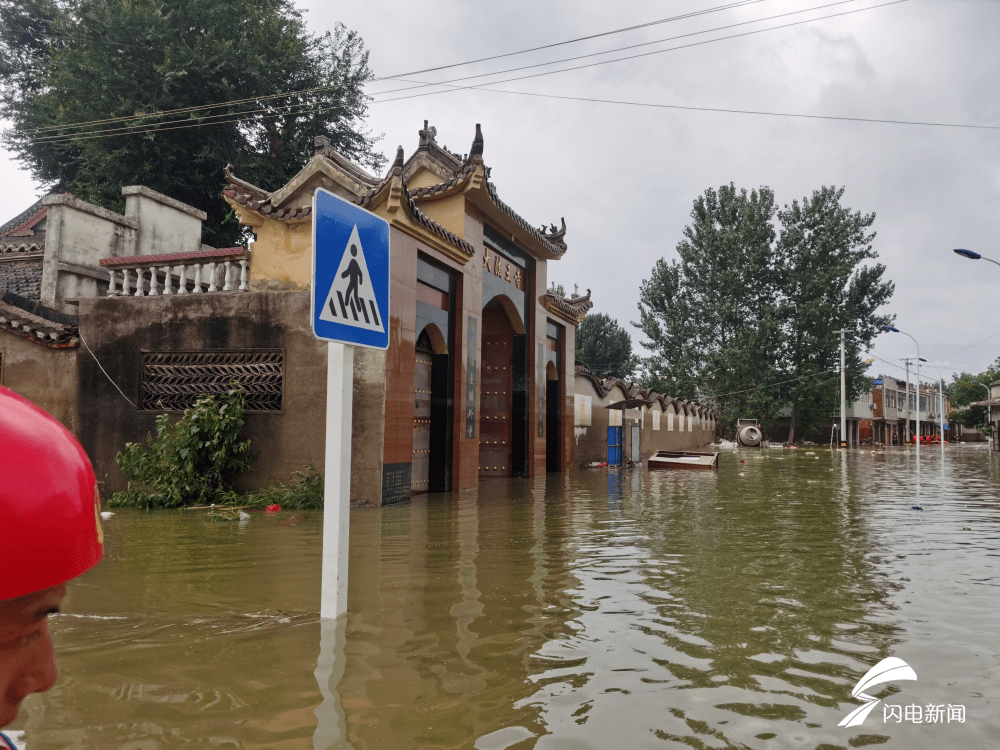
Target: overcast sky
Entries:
(625, 176)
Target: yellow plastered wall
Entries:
(281, 256)
(448, 212)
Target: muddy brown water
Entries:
(663, 610)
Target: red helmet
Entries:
(50, 527)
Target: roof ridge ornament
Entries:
(428, 135)
(476, 152)
(321, 145)
(397, 165)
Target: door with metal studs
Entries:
(497, 392)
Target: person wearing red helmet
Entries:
(50, 532)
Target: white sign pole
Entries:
(337, 486)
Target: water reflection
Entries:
(331, 723)
(595, 610)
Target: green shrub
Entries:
(304, 493)
(190, 462)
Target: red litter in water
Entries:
(272, 508)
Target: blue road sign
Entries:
(350, 273)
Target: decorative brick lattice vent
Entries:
(173, 381)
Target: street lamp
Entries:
(971, 255)
(893, 329)
(989, 393)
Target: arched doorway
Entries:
(503, 400)
(553, 417)
(430, 464)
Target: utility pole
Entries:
(916, 399)
(843, 393)
(941, 409)
(907, 436)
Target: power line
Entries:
(891, 364)
(772, 385)
(479, 87)
(128, 129)
(583, 38)
(972, 345)
(649, 54)
(398, 75)
(627, 47)
(653, 105)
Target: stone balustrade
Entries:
(200, 271)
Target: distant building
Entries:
(887, 414)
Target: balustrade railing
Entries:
(201, 271)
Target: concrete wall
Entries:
(77, 235)
(368, 428)
(119, 329)
(45, 375)
(165, 225)
(680, 426)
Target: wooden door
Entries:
(496, 397)
(420, 465)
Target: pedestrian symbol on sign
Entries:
(351, 299)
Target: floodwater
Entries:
(663, 610)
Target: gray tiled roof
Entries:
(37, 322)
(21, 218)
(22, 277)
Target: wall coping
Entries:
(62, 199)
(166, 200)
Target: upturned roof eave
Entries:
(477, 191)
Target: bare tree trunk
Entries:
(791, 429)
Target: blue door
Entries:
(614, 446)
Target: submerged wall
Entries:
(668, 424)
(46, 376)
(121, 330)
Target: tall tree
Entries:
(90, 61)
(747, 314)
(711, 316)
(604, 346)
(826, 286)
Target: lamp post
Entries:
(973, 255)
(893, 329)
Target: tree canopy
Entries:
(71, 69)
(605, 347)
(963, 390)
(749, 312)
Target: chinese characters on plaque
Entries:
(503, 268)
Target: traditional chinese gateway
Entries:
(469, 309)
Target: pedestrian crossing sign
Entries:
(350, 278)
